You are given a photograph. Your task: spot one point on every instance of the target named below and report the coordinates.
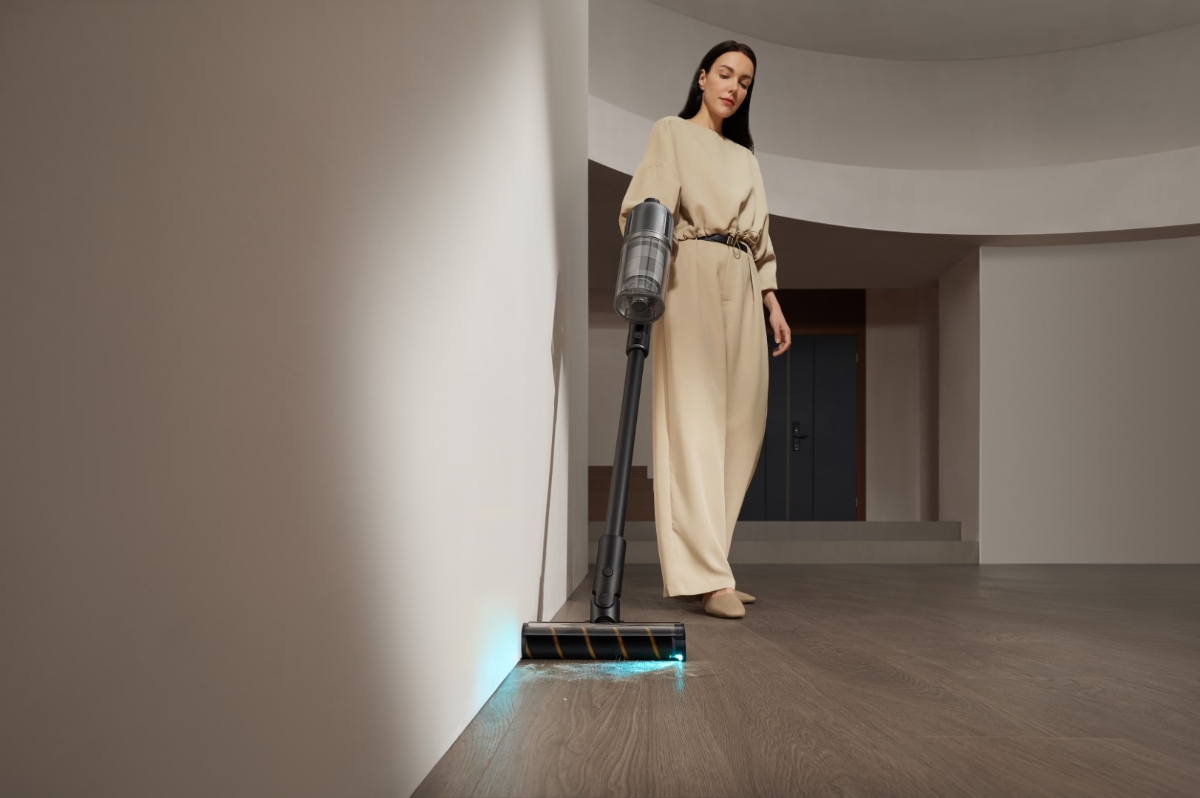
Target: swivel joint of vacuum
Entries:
(606, 586)
(638, 338)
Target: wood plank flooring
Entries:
(873, 680)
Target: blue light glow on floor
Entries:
(578, 670)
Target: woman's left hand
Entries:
(783, 331)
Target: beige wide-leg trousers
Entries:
(709, 370)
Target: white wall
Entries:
(958, 386)
(902, 404)
(280, 382)
(1140, 191)
(1088, 397)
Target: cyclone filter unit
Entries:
(645, 263)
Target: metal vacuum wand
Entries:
(610, 552)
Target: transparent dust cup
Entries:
(645, 263)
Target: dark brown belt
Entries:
(722, 238)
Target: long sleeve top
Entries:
(710, 183)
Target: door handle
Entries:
(797, 436)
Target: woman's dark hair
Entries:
(736, 127)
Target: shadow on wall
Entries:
(558, 343)
(184, 606)
(564, 36)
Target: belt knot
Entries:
(737, 237)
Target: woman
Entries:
(708, 351)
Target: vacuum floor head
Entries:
(603, 641)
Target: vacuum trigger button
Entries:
(608, 571)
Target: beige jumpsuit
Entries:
(709, 350)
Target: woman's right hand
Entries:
(783, 330)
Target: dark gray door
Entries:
(808, 468)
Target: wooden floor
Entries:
(896, 680)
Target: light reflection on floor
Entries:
(601, 671)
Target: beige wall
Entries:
(1088, 397)
(958, 389)
(283, 465)
(902, 404)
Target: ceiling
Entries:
(939, 30)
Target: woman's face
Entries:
(726, 84)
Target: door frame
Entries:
(817, 311)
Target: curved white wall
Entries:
(1159, 190)
(1094, 139)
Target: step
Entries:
(824, 542)
(604, 472)
(828, 552)
(812, 530)
(639, 508)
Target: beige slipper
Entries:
(725, 605)
(745, 598)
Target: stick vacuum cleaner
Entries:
(641, 284)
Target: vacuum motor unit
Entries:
(645, 262)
